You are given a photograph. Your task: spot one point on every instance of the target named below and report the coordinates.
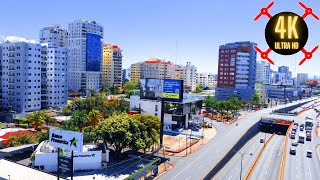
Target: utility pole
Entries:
(242, 154)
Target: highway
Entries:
(299, 166)
(199, 164)
(232, 169)
(267, 167)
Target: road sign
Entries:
(66, 139)
(65, 166)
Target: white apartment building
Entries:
(263, 72)
(188, 74)
(85, 56)
(207, 80)
(54, 86)
(279, 77)
(302, 78)
(157, 69)
(21, 77)
(112, 66)
(54, 35)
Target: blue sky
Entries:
(151, 28)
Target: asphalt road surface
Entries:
(269, 162)
(299, 166)
(232, 169)
(198, 165)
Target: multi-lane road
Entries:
(199, 164)
(232, 169)
(299, 166)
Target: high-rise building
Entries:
(112, 66)
(85, 56)
(157, 69)
(135, 70)
(236, 70)
(54, 35)
(302, 78)
(263, 72)
(126, 74)
(21, 77)
(207, 80)
(285, 70)
(188, 74)
(54, 86)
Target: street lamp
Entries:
(242, 154)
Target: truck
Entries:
(309, 123)
(302, 136)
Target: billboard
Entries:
(167, 89)
(66, 139)
(311, 82)
(197, 118)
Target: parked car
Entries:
(309, 154)
(302, 125)
(292, 135)
(293, 151)
(295, 143)
(210, 125)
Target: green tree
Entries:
(209, 103)
(129, 86)
(149, 130)
(42, 136)
(113, 89)
(92, 92)
(256, 98)
(77, 121)
(198, 89)
(117, 131)
(37, 119)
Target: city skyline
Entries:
(176, 32)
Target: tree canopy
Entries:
(198, 89)
(37, 119)
(256, 98)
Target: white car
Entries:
(309, 154)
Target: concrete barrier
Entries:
(248, 175)
(251, 132)
(284, 155)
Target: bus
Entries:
(302, 136)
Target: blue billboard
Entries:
(166, 89)
(94, 52)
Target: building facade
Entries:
(135, 70)
(207, 80)
(157, 69)
(263, 72)
(188, 74)
(236, 70)
(54, 35)
(126, 74)
(21, 77)
(111, 66)
(302, 78)
(84, 56)
(54, 86)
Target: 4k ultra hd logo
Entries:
(286, 33)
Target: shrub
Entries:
(20, 138)
(25, 126)
(21, 120)
(41, 136)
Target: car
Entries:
(261, 140)
(210, 125)
(296, 124)
(293, 151)
(302, 125)
(292, 136)
(295, 143)
(301, 128)
(309, 154)
(308, 128)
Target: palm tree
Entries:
(37, 119)
(94, 117)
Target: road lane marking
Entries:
(190, 164)
(309, 170)
(188, 177)
(230, 177)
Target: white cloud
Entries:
(15, 39)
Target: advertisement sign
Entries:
(65, 166)
(197, 118)
(66, 139)
(169, 90)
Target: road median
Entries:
(249, 173)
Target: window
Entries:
(156, 107)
